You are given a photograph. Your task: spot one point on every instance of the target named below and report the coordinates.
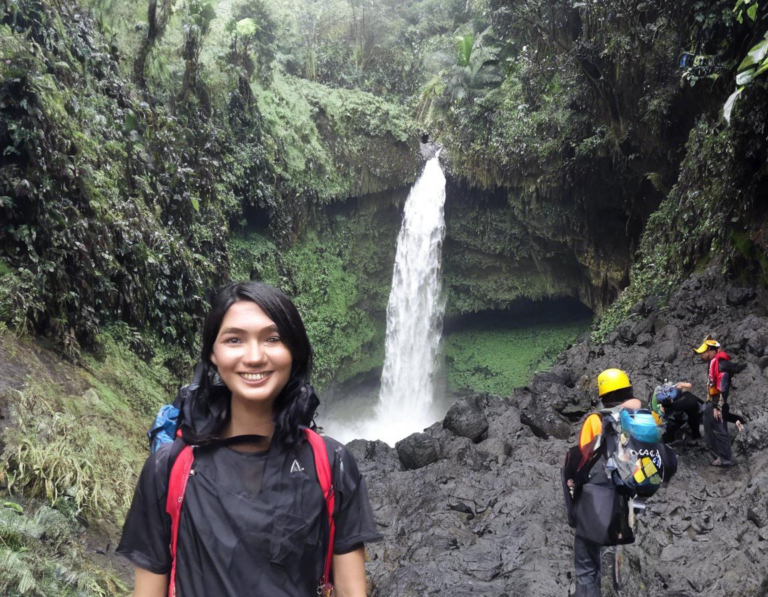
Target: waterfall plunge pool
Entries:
(491, 351)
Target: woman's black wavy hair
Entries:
(206, 409)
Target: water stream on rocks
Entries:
(414, 319)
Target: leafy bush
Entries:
(40, 556)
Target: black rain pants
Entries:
(586, 560)
(716, 434)
(688, 405)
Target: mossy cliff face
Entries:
(714, 215)
(337, 143)
(339, 274)
(117, 202)
(500, 248)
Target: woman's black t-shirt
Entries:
(251, 523)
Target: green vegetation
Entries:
(169, 126)
(498, 360)
(70, 459)
(336, 143)
(117, 201)
(153, 150)
(40, 556)
(81, 451)
(339, 277)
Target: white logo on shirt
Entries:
(296, 467)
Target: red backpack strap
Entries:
(177, 486)
(323, 469)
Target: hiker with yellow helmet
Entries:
(716, 410)
(619, 457)
(615, 392)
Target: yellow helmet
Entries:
(708, 344)
(611, 380)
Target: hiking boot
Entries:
(719, 462)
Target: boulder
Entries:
(91, 399)
(757, 514)
(556, 375)
(644, 326)
(672, 333)
(418, 450)
(495, 447)
(462, 451)
(543, 419)
(466, 419)
(751, 335)
(626, 332)
(666, 351)
(740, 296)
(644, 339)
(376, 452)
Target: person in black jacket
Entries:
(678, 406)
(253, 518)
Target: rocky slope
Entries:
(483, 514)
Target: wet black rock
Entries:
(740, 296)
(644, 339)
(385, 457)
(417, 450)
(466, 418)
(487, 519)
(542, 416)
(666, 350)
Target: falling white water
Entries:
(414, 313)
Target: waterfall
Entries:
(414, 312)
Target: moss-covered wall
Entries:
(501, 247)
(714, 215)
(73, 439)
(339, 274)
(117, 202)
(336, 143)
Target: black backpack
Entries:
(608, 473)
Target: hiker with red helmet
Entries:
(263, 505)
(717, 413)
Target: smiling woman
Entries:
(253, 518)
(252, 361)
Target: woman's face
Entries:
(251, 358)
